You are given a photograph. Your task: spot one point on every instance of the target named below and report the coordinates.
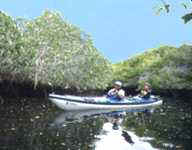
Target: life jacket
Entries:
(147, 95)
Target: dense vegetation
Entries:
(164, 68)
(48, 50)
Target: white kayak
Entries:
(69, 102)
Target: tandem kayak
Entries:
(70, 102)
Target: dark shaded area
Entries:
(10, 89)
(170, 125)
(25, 89)
(127, 137)
(27, 123)
(175, 93)
(17, 90)
(27, 126)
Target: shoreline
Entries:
(21, 90)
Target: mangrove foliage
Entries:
(49, 50)
(165, 67)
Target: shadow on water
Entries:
(41, 126)
(170, 126)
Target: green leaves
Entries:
(53, 51)
(165, 7)
(165, 68)
(187, 17)
(9, 43)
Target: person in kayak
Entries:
(117, 92)
(146, 91)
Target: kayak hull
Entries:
(68, 103)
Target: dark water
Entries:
(39, 125)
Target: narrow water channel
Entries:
(35, 124)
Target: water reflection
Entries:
(170, 125)
(120, 139)
(112, 134)
(41, 126)
(76, 116)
